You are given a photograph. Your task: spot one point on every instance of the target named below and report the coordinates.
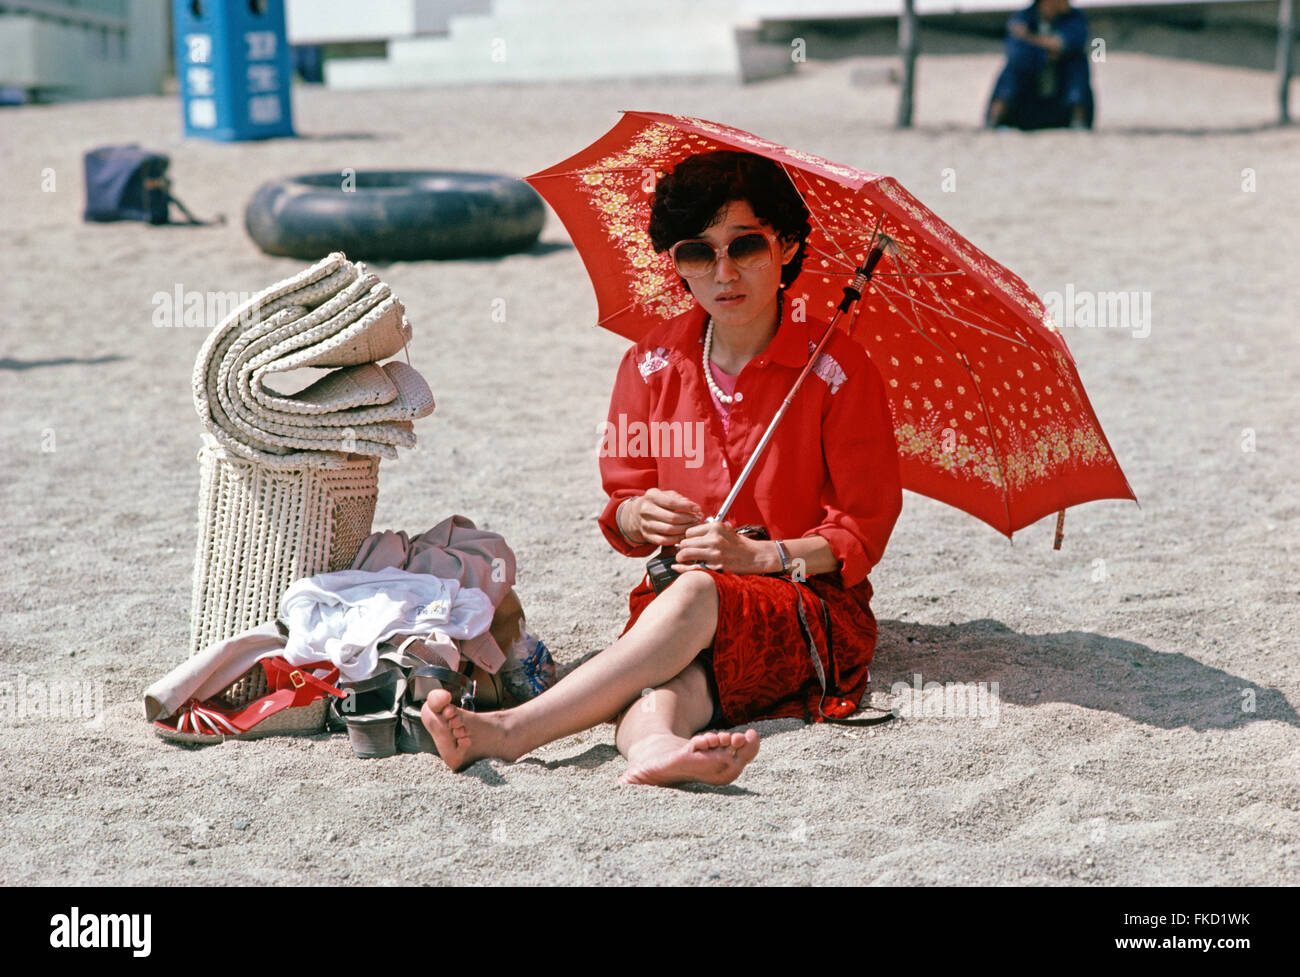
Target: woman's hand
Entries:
(719, 547)
(661, 516)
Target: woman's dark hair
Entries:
(688, 199)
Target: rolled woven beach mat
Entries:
(395, 215)
(334, 316)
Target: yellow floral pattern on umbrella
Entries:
(1023, 462)
(616, 185)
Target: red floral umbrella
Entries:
(988, 410)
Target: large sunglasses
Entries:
(696, 257)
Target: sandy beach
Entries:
(1144, 730)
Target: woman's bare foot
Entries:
(462, 737)
(711, 758)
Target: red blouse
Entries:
(831, 468)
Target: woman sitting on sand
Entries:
(734, 638)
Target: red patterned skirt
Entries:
(762, 657)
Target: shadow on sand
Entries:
(9, 363)
(948, 129)
(1168, 690)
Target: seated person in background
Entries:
(1045, 83)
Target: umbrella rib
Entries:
(1051, 365)
(947, 309)
(837, 257)
(993, 440)
(921, 332)
(848, 229)
(638, 303)
(989, 320)
(956, 318)
(993, 431)
(915, 324)
(963, 360)
(812, 213)
(894, 252)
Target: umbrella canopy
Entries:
(988, 410)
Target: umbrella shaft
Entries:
(852, 292)
(776, 419)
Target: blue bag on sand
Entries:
(529, 669)
(130, 183)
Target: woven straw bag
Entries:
(260, 529)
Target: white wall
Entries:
(334, 21)
(85, 52)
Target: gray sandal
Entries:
(371, 711)
(412, 736)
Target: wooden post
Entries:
(907, 47)
(1285, 42)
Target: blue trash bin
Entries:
(234, 67)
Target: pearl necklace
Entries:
(726, 399)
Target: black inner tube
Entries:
(395, 215)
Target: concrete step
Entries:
(570, 40)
